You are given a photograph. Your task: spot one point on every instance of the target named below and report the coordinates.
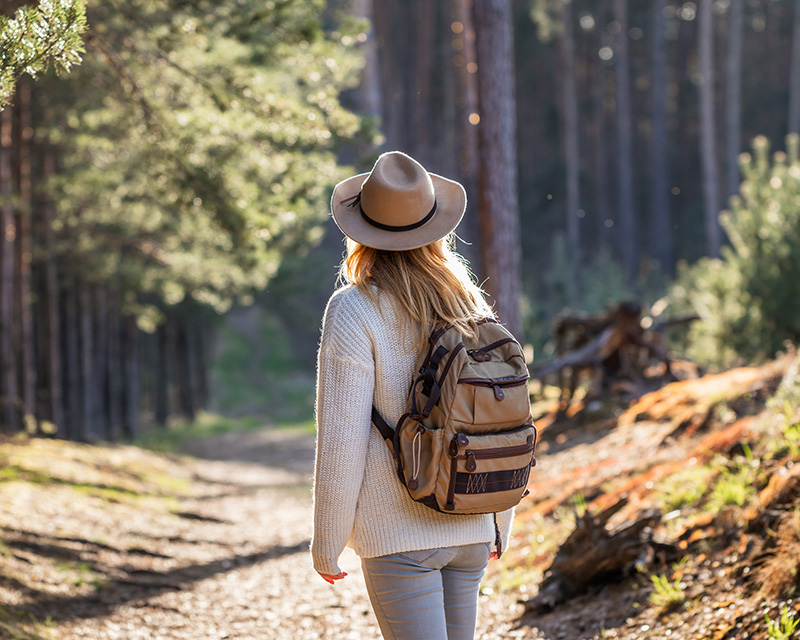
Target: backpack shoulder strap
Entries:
(383, 427)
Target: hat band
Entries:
(389, 227)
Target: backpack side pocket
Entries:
(420, 449)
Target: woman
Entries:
(422, 568)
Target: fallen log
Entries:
(597, 338)
(592, 554)
(613, 345)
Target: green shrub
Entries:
(735, 485)
(784, 627)
(747, 300)
(667, 594)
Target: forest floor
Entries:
(116, 542)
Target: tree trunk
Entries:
(601, 172)
(661, 218)
(100, 364)
(72, 363)
(88, 427)
(131, 386)
(204, 351)
(391, 30)
(50, 386)
(114, 369)
(24, 332)
(733, 119)
(498, 208)
(627, 235)
(371, 100)
(9, 391)
(445, 149)
(420, 103)
(794, 75)
(466, 65)
(183, 369)
(162, 374)
(570, 139)
(708, 154)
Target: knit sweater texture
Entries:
(367, 355)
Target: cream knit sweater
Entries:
(358, 499)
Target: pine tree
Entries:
(31, 38)
(193, 148)
(747, 300)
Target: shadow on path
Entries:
(138, 585)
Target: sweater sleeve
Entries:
(345, 383)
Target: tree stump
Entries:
(592, 555)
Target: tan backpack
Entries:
(466, 442)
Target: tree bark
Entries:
(708, 153)
(628, 234)
(794, 75)
(114, 371)
(24, 332)
(72, 363)
(391, 30)
(183, 369)
(661, 217)
(9, 390)
(466, 66)
(131, 386)
(498, 207)
(601, 176)
(50, 384)
(445, 147)
(204, 351)
(88, 427)
(570, 140)
(420, 103)
(162, 374)
(371, 100)
(733, 110)
(100, 363)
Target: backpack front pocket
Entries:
(487, 470)
(478, 399)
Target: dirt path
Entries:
(236, 565)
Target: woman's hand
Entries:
(330, 579)
(493, 555)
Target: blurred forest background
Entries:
(166, 166)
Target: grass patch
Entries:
(171, 438)
(257, 370)
(33, 476)
(736, 485)
(685, 488)
(784, 627)
(80, 573)
(667, 594)
(16, 625)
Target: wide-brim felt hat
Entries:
(398, 205)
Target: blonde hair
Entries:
(432, 284)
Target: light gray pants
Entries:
(427, 595)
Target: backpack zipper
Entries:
(495, 452)
(482, 354)
(496, 384)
